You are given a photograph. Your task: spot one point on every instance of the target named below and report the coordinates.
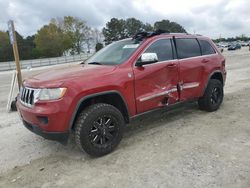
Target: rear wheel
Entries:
(99, 129)
(213, 96)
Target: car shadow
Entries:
(162, 117)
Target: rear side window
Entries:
(163, 49)
(206, 47)
(187, 48)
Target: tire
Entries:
(213, 96)
(99, 129)
(13, 106)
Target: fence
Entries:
(4, 66)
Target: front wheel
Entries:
(99, 129)
(213, 96)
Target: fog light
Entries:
(43, 119)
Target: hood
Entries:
(59, 76)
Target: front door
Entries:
(156, 83)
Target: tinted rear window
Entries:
(206, 47)
(187, 48)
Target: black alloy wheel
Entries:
(104, 130)
(216, 95)
(213, 96)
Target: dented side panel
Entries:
(156, 85)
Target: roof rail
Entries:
(179, 33)
(194, 34)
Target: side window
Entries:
(206, 48)
(162, 48)
(187, 48)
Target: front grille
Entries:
(28, 96)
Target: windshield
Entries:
(115, 53)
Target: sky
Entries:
(212, 18)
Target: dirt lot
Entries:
(184, 147)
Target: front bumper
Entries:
(49, 120)
(49, 117)
(61, 137)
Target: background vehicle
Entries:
(122, 81)
(234, 46)
(243, 44)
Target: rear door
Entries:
(191, 67)
(156, 83)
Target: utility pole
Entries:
(13, 41)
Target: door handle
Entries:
(204, 60)
(171, 65)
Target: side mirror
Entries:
(147, 58)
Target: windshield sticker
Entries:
(131, 46)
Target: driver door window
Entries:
(163, 49)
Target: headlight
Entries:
(51, 94)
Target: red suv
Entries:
(95, 100)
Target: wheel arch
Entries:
(112, 97)
(214, 75)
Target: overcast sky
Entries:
(207, 17)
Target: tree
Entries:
(98, 46)
(148, 27)
(114, 30)
(169, 26)
(117, 29)
(77, 30)
(6, 53)
(51, 41)
(33, 53)
(242, 37)
(133, 26)
(26, 47)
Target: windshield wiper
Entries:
(95, 63)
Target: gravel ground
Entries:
(184, 147)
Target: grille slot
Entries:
(27, 96)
